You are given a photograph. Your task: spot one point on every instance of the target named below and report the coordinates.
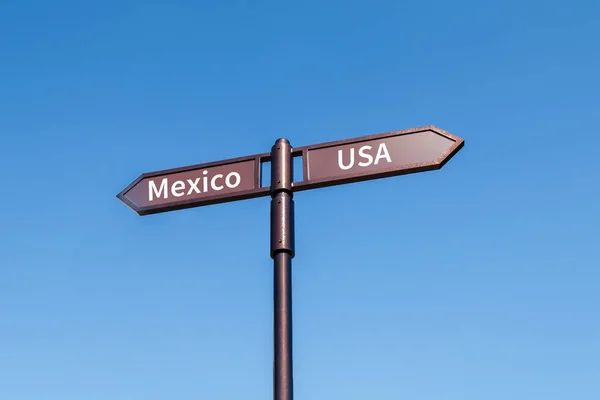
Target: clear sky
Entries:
(477, 281)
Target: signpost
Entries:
(326, 164)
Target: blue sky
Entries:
(476, 281)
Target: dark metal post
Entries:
(282, 252)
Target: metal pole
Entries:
(282, 252)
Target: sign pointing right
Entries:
(376, 156)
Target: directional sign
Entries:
(326, 164)
(195, 186)
(377, 156)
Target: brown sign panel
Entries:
(195, 186)
(377, 156)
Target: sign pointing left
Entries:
(195, 186)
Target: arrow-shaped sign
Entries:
(376, 156)
(194, 186)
